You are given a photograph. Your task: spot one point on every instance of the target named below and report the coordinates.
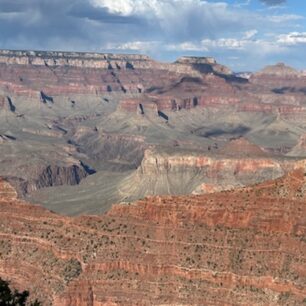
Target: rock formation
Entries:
(300, 148)
(279, 70)
(65, 116)
(166, 174)
(236, 247)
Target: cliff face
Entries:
(187, 83)
(161, 173)
(280, 78)
(239, 247)
(75, 59)
(121, 152)
(57, 73)
(108, 61)
(42, 176)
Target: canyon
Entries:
(81, 131)
(127, 181)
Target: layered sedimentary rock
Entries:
(279, 70)
(65, 116)
(186, 83)
(162, 173)
(280, 78)
(58, 73)
(32, 171)
(238, 247)
(42, 176)
(119, 150)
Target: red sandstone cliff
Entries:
(185, 84)
(243, 247)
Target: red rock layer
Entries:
(244, 247)
(62, 73)
(188, 83)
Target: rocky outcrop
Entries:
(6, 138)
(237, 247)
(6, 104)
(74, 59)
(161, 173)
(204, 64)
(280, 79)
(279, 70)
(60, 73)
(109, 61)
(111, 150)
(29, 178)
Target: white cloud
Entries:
(285, 18)
(250, 34)
(163, 29)
(146, 46)
(177, 18)
(226, 43)
(141, 46)
(293, 38)
(260, 47)
(187, 46)
(157, 8)
(128, 7)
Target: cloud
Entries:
(273, 2)
(141, 46)
(241, 45)
(293, 38)
(250, 34)
(285, 18)
(94, 23)
(178, 19)
(163, 29)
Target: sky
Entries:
(245, 35)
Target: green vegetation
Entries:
(14, 298)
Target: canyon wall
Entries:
(238, 247)
(162, 173)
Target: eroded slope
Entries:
(242, 247)
(80, 131)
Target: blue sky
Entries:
(243, 34)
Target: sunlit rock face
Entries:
(242, 246)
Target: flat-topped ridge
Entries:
(73, 55)
(109, 61)
(196, 60)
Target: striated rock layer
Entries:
(239, 164)
(88, 119)
(242, 247)
(187, 83)
(60, 73)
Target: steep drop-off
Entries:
(243, 247)
(189, 172)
